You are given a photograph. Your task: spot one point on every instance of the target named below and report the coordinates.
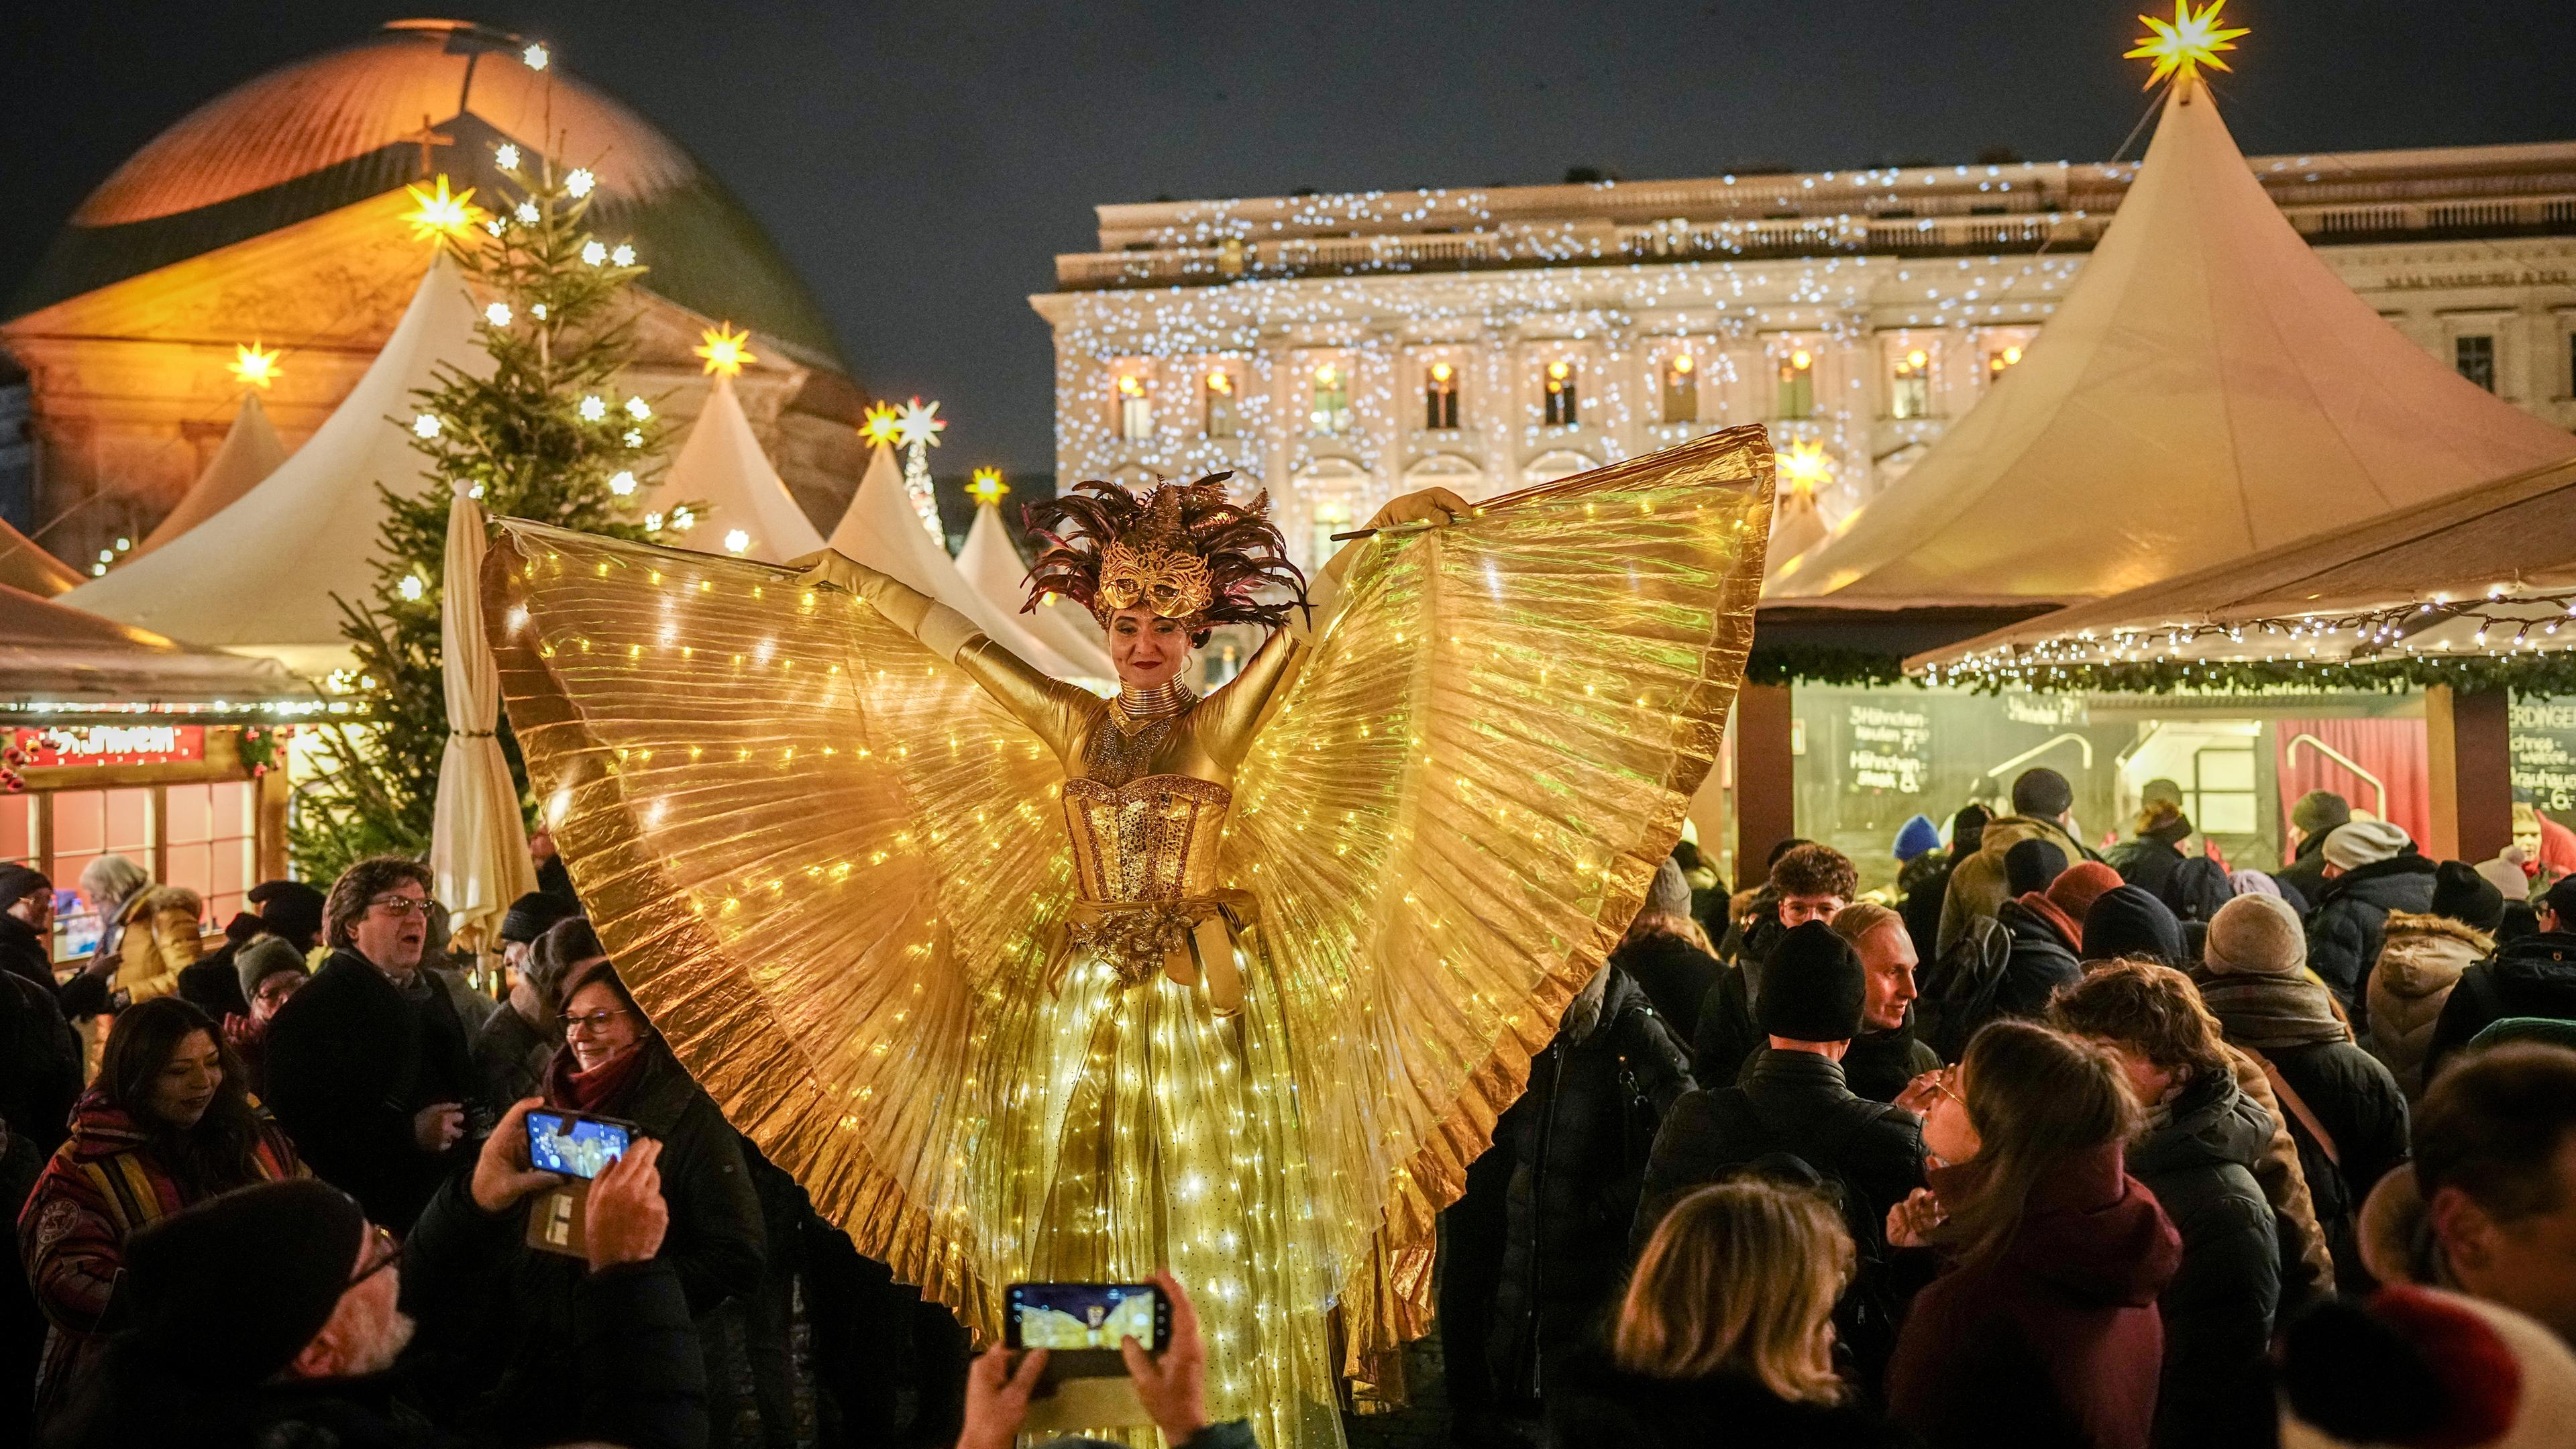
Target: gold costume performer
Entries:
(1026, 984)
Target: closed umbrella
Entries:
(478, 843)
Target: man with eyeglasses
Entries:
(369, 1065)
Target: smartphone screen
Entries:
(573, 1145)
(1081, 1324)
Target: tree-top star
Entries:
(2188, 41)
(252, 367)
(725, 350)
(880, 424)
(440, 217)
(919, 422)
(987, 486)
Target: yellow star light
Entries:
(987, 486)
(1805, 465)
(252, 367)
(439, 217)
(725, 350)
(919, 422)
(2188, 41)
(881, 424)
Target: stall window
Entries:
(1562, 410)
(208, 842)
(1330, 416)
(1909, 387)
(2474, 354)
(1681, 388)
(1797, 394)
(1219, 390)
(1135, 409)
(1440, 396)
(87, 825)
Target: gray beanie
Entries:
(1670, 895)
(2357, 843)
(262, 959)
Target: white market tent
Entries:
(24, 564)
(735, 489)
(1797, 525)
(262, 575)
(880, 529)
(992, 568)
(2206, 389)
(250, 452)
(58, 663)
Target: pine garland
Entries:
(2528, 672)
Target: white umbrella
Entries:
(478, 844)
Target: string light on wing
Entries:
(2193, 38)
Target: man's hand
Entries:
(1910, 1223)
(1922, 1092)
(502, 1175)
(626, 1217)
(997, 1397)
(1173, 1386)
(104, 964)
(436, 1127)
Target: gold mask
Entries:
(1173, 582)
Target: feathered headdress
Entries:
(1184, 549)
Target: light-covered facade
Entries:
(1341, 349)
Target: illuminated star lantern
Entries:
(987, 488)
(724, 350)
(919, 423)
(917, 427)
(437, 216)
(253, 368)
(880, 425)
(1806, 465)
(2180, 46)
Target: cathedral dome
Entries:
(353, 123)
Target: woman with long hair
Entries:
(2044, 1329)
(168, 1124)
(1727, 1321)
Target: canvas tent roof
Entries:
(2207, 388)
(250, 452)
(55, 659)
(722, 467)
(24, 564)
(992, 568)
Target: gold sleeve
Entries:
(1053, 710)
(1233, 716)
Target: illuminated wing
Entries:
(808, 842)
(1465, 792)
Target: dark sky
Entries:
(921, 164)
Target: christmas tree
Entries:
(546, 436)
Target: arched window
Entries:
(1797, 394)
(1335, 494)
(1330, 417)
(1562, 410)
(1440, 396)
(1681, 388)
(1218, 390)
(1447, 470)
(1135, 409)
(1549, 467)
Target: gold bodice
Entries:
(1151, 839)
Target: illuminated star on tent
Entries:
(881, 424)
(725, 350)
(918, 423)
(252, 367)
(438, 216)
(1805, 465)
(987, 486)
(2190, 40)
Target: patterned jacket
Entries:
(100, 1188)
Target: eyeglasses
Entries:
(388, 1252)
(400, 905)
(1941, 1084)
(596, 1022)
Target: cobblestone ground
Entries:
(1423, 1423)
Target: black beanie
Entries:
(2031, 864)
(290, 908)
(2467, 897)
(2042, 793)
(1812, 987)
(226, 1293)
(1968, 828)
(17, 882)
(2127, 921)
(531, 915)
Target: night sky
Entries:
(921, 165)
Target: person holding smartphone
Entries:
(1171, 1384)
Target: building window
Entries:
(1681, 388)
(1562, 410)
(1909, 391)
(1218, 388)
(1440, 396)
(1331, 415)
(1135, 409)
(1797, 397)
(2003, 359)
(1332, 515)
(2474, 356)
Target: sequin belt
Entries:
(1190, 941)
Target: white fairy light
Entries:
(526, 212)
(737, 541)
(594, 253)
(638, 409)
(498, 314)
(535, 57)
(580, 182)
(411, 588)
(506, 156)
(623, 256)
(634, 438)
(424, 426)
(593, 409)
(621, 483)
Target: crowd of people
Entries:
(2048, 1148)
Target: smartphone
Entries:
(575, 1143)
(1081, 1324)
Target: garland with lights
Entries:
(546, 437)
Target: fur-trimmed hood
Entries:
(2423, 954)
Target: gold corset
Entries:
(1151, 839)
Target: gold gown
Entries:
(1023, 987)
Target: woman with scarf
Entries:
(2343, 1107)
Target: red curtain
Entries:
(2389, 762)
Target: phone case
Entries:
(555, 1220)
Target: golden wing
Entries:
(1464, 794)
(810, 845)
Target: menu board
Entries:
(1891, 748)
(2543, 746)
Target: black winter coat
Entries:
(1923, 884)
(41, 1069)
(2042, 960)
(627, 1371)
(2535, 976)
(213, 985)
(1881, 1064)
(29, 955)
(1580, 1140)
(2219, 1307)
(1603, 1407)
(351, 1061)
(2306, 872)
(1675, 975)
(1725, 1036)
(2351, 921)
(2146, 861)
(509, 1059)
(2358, 1102)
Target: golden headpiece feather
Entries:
(1185, 550)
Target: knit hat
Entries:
(260, 960)
(1670, 894)
(2562, 900)
(2197, 888)
(2031, 864)
(291, 908)
(530, 915)
(1968, 828)
(2082, 883)
(2042, 793)
(2127, 921)
(2319, 810)
(17, 882)
(226, 1293)
(2357, 843)
(1917, 836)
(2424, 1366)
(2255, 936)
(2506, 873)
(2465, 896)
(2253, 883)
(1812, 988)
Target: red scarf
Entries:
(2047, 910)
(596, 1090)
